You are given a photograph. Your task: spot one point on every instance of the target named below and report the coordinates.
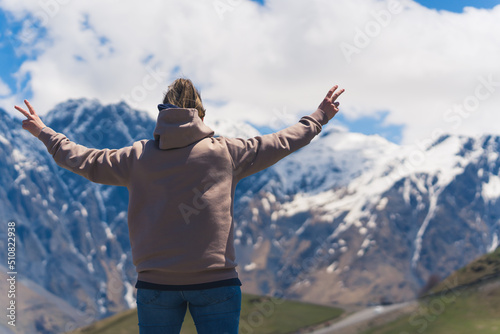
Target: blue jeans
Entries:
(214, 311)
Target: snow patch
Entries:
(4, 140)
(129, 295)
(52, 215)
(250, 267)
(300, 203)
(255, 215)
(18, 156)
(331, 268)
(258, 243)
(382, 204)
(232, 129)
(371, 224)
(122, 215)
(491, 190)
(303, 227)
(305, 283)
(119, 266)
(364, 247)
(274, 216)
(102, 301)
(109, 234)
(24, 190)
(406, 191)
(266, 205)
(51, 194)
(433, 195)
(492, 157)
(480, 173)
(84, 212)
(494, 243)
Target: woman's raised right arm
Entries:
(255, 154)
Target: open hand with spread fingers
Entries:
(329, 104)
(33, 123)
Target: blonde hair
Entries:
(183, 94)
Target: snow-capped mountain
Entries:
(72, 236)
(349, 219)
(371, 220)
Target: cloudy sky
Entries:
(411, 69)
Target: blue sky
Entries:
(394, 121)
(10, 62)
(369, 125)
(456, 6)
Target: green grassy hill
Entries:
(468, 301)
(263, 315)
(483, 268)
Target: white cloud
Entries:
(417, 63)
(4, 89)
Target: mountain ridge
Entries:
(354, 213)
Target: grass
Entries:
(486, 265)
(474, 307)
(463, 312)
(263, 315)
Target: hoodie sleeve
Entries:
(111, 167)
(255, 154)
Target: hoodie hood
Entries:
(179, 127)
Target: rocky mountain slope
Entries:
(367, 218)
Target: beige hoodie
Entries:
(181, 189)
